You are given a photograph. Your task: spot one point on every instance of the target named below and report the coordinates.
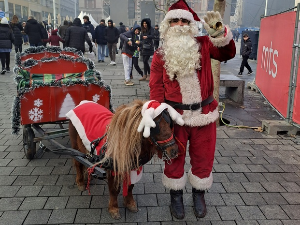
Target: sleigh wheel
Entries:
(28, 142)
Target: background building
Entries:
(94, 7)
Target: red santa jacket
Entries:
(187, 90)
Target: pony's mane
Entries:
(123, 140)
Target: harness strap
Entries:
(165, 141)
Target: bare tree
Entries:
(163, 5)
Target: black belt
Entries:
(192, 107)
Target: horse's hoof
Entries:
(115, 215)
(132, 208)
(81, 187)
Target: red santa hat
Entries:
(181, 9)
(151, 110)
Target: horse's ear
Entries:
(174, 114)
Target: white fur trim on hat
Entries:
(222, 41)
(179, 13)
(4, 20)
(201, 184)
(174, 184)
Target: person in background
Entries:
(17, 28)
(88, 26)
(88, 54)
(54, 39)
(24, 35)
(76, 36)
(156, 37)
(246, 45)
(237, 35)
(112, 36)
(147, 36)
(70, 23)
(62, 31)
(34, 32)
(131, 44)
(100, 40)
(122, 29)
(45, 35)
(136, 55)
(6, 40)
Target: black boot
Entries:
(199, 203)
(177, 209)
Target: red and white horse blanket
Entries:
(91, 121)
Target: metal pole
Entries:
(266, 8)
(75, 9)
(294, 70)
(54, 14)
(6, 9)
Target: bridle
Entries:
(164, 144)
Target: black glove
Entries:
(91, 49)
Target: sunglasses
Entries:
(176, 20)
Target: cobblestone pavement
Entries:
(256, 176)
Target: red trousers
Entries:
(202, 143)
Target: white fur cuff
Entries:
(222, 41)
(200, 184)
(174, 184)
(179, 13)
(196, 118)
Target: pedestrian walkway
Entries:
(256, 176)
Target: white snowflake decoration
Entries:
(38, 102)
(36, 114)
(96, 98)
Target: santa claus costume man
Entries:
(181, 76)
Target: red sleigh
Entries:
(51, 82)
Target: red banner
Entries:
(274, 58)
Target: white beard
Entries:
(180, 52)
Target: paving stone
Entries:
(290, 177)
(273, 187)
(56, 162)
(223, 223)
(212, 214)
(30, 203)
(37, 217)
(13, 217)
(159, 213)
(18, 162)
(14, 155)
(56, 202)
(222, 168)
(6, 170)
(217, 188)
(10, 203)
(66, 180)
(228, 213)
(273, 168)
(140, 216)
(139, 189)
(7, 180)
(59, 170)
(62, 216)
(212, 199)
(79, 202)
(29, 191)
(290, 186)
(274, 198)
(269, 222)
(95, 190)
(233, 187)
(273, 212)
(154, 188)
(22, 170)
(255, 177)
(38, 162)
(50, 191)
(4, 162)
(8, 191)
(247, 222)
(253, 187)
(152, 168)
(224, 160)
(232, 199)
(147, 178)
(252, 199)
(257, 168)
(239, 168)
(88, 216)
(220, 177)
(147, 200)
(236, 177)
(42, 171)
(164, 199)
(273, 177)
(250, 213)
(291, 222)
(292, 198)
(25, 180)
(46, 180)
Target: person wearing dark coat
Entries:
(34, 32)
(44, 33)
(100, 40)
(76, 35)
(62, 31)
(17, 28)
(112, 36)
(246, 51)
(122, 29)
(131, 44)
(6, 40)
(156, 37)
(147, 35)
(88, 26)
